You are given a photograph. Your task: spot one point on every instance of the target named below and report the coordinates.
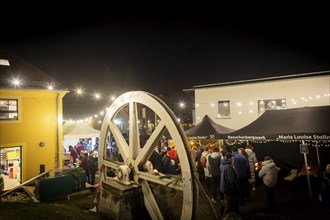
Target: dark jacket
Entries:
(200, 169)
(229, 183)
(214, 161)
(156, 160)
(83, 163)
(169, 165)
(92, 164)
(241, 165)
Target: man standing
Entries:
(229, 184)
(242, 168)
(268, 173)
(92, 168)
(213, 165)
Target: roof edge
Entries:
(318, 73)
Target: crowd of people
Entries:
(87, 160)
(164, 158)
(229, 174)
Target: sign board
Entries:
(304, 149)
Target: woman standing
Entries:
(268, 173)
(252, 161)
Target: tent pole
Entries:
(317, 154)
(307, 173)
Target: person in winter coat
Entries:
(73, 154)
(83, 164)
(325, 187)
(204, 158)
(242, 168)
(92, 167)
(229, 184)
(170, 165)
(213, 165)
(156, 159)
(268, 173)
(252, 161)
(199, 167)
(172, 153)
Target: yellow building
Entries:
(31, 113)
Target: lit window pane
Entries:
(8, 109)
(271, 104)
(224, 108)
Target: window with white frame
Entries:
(224, 109)
(8, 109)
(271, 104)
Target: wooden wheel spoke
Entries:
(120, 140)
(146, 151)
(135, 155)
(134, 137)
(150, 202)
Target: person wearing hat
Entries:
(268, 173)
(229, 184)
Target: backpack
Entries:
(203, 160)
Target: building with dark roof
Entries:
(237, 104)
(31, 113)
(14, 67)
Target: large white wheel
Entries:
(135, 156)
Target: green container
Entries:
(60, 185)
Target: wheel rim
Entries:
(135, 155)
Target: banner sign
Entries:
(294, 137)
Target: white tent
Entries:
(79, 130)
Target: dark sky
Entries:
(166, 53)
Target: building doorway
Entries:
(10, 166)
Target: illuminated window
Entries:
(4, 62)
(271, 104)
(224, 109)
(8, 109)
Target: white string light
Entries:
(313, 143)
(16, 82)
(246, 106)
(243, 107)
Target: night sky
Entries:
(166, 53)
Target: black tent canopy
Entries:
(278, 133)
(207, 129)
(307, 123)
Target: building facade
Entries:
(237, 104)
(31, 115)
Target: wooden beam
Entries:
(30, 190)
(25, 183)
